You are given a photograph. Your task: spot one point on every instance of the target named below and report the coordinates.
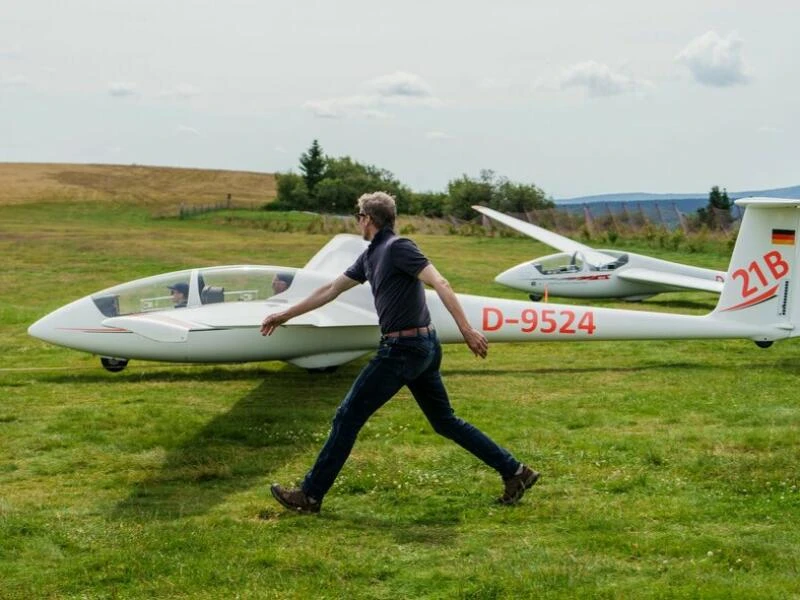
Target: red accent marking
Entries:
(588, 277)
(512, 321)
(96, 330)
(763, 297)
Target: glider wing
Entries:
(559, 242)
(158, 327)
(639, 275)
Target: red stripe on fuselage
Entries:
(96, 329)
(768, 295)
(589, 277)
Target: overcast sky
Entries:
(577, 97)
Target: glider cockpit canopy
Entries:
(563, 262)
(204, 286)
(574, 262)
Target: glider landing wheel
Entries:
(113, 365)
(764, 344)
(535, 297)
(323, 370)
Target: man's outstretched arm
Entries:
(317, 298)
(476, 341)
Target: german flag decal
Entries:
(784, 237)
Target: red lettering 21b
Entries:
(776, 265)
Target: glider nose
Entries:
(47, 328)
(61, 326)
(518, 277)
(39, 329)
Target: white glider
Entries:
(760, 301)
(579, 271)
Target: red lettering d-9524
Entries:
(565, 321)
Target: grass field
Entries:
(162, 187)
(669, 468)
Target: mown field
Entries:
(161, 188)
(669, 468)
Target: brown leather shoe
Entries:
(295, 500)
(516, 485)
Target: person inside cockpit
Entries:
(281, 282)
(180, 294)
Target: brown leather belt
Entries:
(410, 332)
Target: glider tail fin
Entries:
(338, 254)
(762, 285)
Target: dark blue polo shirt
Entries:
(391, 264)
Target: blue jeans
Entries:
(411, 361)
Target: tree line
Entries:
(717, 213)
(329, 184)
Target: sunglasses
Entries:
(359, 215)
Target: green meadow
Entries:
(669, 469)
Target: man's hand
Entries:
(476, 341)
(271, 322)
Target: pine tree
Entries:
(720, 200)
(716, 214)
(725, 202)
(312, 166)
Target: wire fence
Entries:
(588, 221)
(186, 209)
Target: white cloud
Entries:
(438, 135)
(493, 83)
(373, 113)
(599, 79)
(14, 81)
(395, 89)
(186, 130)
(338, 108)
(10, 54)
(122, 89)
(332, 108)
(324, 109)
(401, 83)
(715, 61)
(182, 90)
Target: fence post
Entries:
(587, 220)
(643, 216)
(681, 219)
(660, 216)
(626, 218)
(613, 220)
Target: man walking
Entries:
(409, 354)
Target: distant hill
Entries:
(786, 192)
(661, 208)
(152, 186)
(664, 212)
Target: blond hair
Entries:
(380, 207)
